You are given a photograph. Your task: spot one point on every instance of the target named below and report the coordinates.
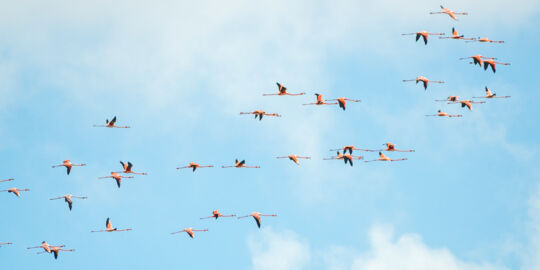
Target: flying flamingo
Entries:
(477, 59)
(493, 64)
(67, 163)
(194, 166)
(349, 148)
(190, 231)
(440, 113)
(116, 177)
(46, 247)
(240, 164)
(390, 147)
(346, 158)
(424, 81)
(8, 243)
(485, 39)
(466, 103)
(455, 35)
(127, 168)
(383, 157)
(67, 198)
(320, 101)
(257, 216)
(216, 214)
(424, 35)
(449, 12)
(110, 124)
(6, 180)
(15, 191)
(260, 114)
(283, 92)
(109, 228)
(55, 251)
(342, 102)
(489, 94)
(294, 158)
(450, 98)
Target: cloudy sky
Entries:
(179, 73)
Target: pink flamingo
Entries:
(349, 148)
(345, 157)
(55, 251)
(6, 180)
(443, 114)
(116, 177)
(257, 216)
(466, 103)
(240, 164)
(477, 59)
(190, 231)
(489, 94)
(283, 92)
(424, 35)
(485, 39)
(320, 101)
(127, 168)
(425, 81)
(294, 158)
(493, 64)
(260, 114)
(194, 166)
(67, 163)
(455, 35)
(450, 13)
(109, 227)
(216, 214)
(383, 157)
(342, 102)
(46, 247)
(111, 124)
(15, 191)
(68, 198)
(390, 147)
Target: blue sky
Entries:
(179, 73)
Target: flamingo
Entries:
(455, 35)
(240, 164)
(342, 102)
(216, 214)
(46, 247)
(450, 98)
(477, 59)
(485, 39)
(346, 158)
(349, 148)
(450, 13)
(109, 227)
(190, 231)
(466, 103)
(424, 35)
(116, 177)
(194, 166)
(111, 124)
(260, 114)
(67, 163)
(320, 101)
(294, 158)
(390, 147)
(127, 168)
(283, 92)
(56, 250)
(493, 64)
(67, 198)
(440, 113)
(6, 180)
(8, 243)
(424, 81)
(383, 157)
(257, 216)
(489, 94)
(15, 191)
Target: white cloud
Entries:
(278, 251)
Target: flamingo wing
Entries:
(113, 121)
(129, 166)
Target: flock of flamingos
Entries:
(344, 153)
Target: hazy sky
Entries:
(179, 74)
